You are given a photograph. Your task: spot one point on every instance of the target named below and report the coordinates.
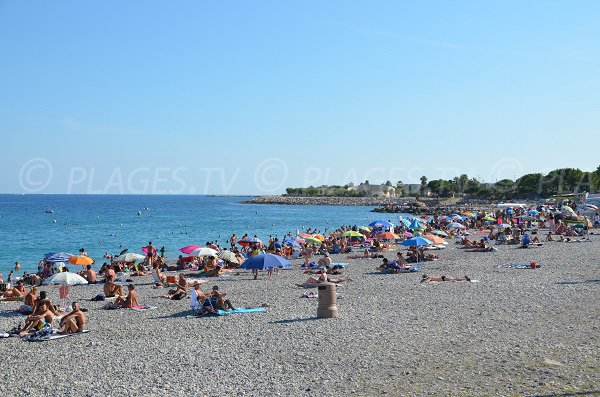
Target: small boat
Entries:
(49, 211)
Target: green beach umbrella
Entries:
(352, 233)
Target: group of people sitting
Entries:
(209, 302)
(43, 313)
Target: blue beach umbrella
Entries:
(406, 222)
(57, 256)
(266, 261)
(380, 223)
(292, 242)
(416, 241)
(416, 225)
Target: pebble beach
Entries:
(513, 332)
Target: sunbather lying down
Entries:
(484, 249)
(314, 282)
(437, 279)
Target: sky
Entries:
(251, 97)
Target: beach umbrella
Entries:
(408, 234)
(319, 237)
(534, 212)
(292, 242)
(352, 233)
(203, 251)
(250, 240)
(266, 261)
(365, 228)
(455, 225)
(313, 240)
(380, 223)
(57, 256)
(188, 249)
(416, 242)
(145, 251)
(435, 239)
(439, 233)
(130, 257)
(123, 252)
(303, 235)
(468, 213)
(489, 218)
(416, 225)
(387, 235)
(504, 226)
(229, 257)
(67, 278)
(80, 260)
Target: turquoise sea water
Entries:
(110, 223)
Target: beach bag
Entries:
(98, 298)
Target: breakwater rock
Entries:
(337, 201)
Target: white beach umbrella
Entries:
(229, 256)
(66, 278)
(203, 251)
(455, 225)
(130, 257)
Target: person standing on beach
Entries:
(150, 253)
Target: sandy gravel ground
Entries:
(513, 333)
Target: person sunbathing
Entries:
(73, 322)
(43, 299)
(89, 275)
(215, 272)
(29, 301)
(325, 261)
(180, 291)
(42, 317)
(218, 301)
(365, 255)
(130, 300)
(434, 279)
(15, 293)
(198, 296)
(549, 237)
(111, 289)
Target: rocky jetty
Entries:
(337, 201)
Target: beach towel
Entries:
(516, 266)
(51, 336)
(142, 308)
(219, 312)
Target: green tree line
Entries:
(528, 186)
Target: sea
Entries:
(33, 225)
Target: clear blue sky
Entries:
(253, 96)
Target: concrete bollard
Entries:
(327, 301)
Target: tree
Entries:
(505, 188)
(423, 185)
(399, 188)
(528, 185)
